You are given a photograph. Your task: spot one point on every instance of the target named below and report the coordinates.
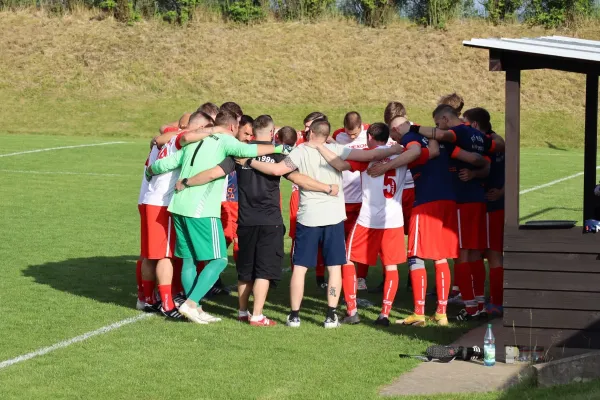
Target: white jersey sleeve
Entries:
(144, 187)
(351, 180)
(382, 198)
(162, 187)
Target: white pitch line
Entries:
(77, 339)
(545, 185)
(59, 148)
(18, 171)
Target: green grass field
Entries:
(69, 244)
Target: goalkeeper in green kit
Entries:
(196, 211)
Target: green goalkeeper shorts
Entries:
(199, 238)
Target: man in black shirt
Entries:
(260, 225)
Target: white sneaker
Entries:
(209, 319)
(331, 323)
(456, 299)
(192, 314)
(140, 305)
(362, 284)
(293, 322)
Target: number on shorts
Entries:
(389, 184)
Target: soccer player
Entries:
(287, 136)
(260, 225)
(353, 136)
(379, 230)
(196, 211)
(321, 220)
(479, 119)
(158, 230)
(453, 100)
(210, 109)
(469, 270)
(295, 203)
(232, 108)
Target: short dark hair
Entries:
(321, 127)
(443, 109)
(453, 100)
(314, 115)
(198, 115)
(481, 116)
(392, 110)
(246, 119)
(209, 108)
(225, 118)
(287, 135)
(232, 107)
(261, 123)
(352, 120)
(379, 131)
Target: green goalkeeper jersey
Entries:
(205, 200)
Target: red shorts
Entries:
(229, 217)
(408, 199)
(352, 211)
(294, 204)
(366, 244)
(471, 226)
(495, 230)
(158, 232)
(143, 230)
(433, 233)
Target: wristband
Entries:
(184, 182)
(414, 128)
(249, 162)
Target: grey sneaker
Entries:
(351, 319)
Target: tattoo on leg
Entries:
(332, 291)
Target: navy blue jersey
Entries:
(496, 180)
(433, 180)
(471, 140)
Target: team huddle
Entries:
(212, 179)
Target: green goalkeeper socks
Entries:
(206, 280)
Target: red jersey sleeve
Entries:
(358, 166)
(170, 129)
(423, 158)
(178, 141)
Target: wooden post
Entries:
(591, 143)
(513, 139)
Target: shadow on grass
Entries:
(111, 280)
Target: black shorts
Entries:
(260, 254)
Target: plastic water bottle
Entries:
(489, 348)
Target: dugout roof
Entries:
(546, 52)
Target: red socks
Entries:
(497, 285)
(442, 284)
(148, 289)
(478, 272)
(464, 281)
(389, 291)
(320, 271)
(362, 270)
(138, 277)
(236, 250)
(349, 287)
(177, 286)
(418, 278)
(166, 297)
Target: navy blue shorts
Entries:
(330, 237)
